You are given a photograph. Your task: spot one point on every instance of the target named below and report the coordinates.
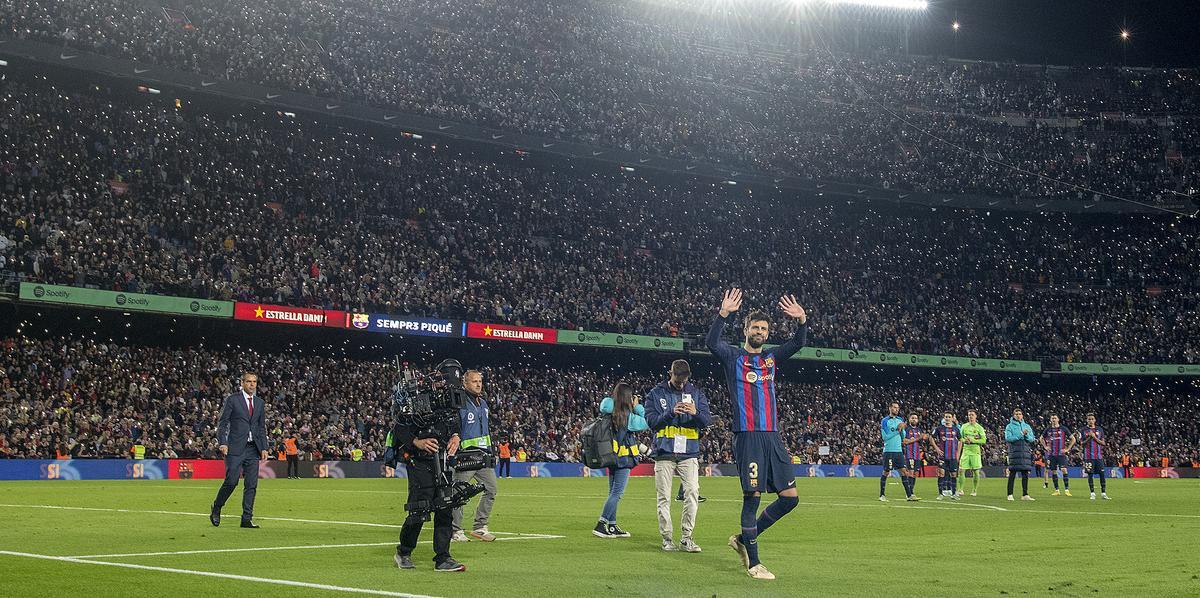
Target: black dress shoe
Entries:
(214, 517)
(250, 524)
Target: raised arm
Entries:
(730, 302)
(791, 309)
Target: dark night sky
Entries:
(1164, 32)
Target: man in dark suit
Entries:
(242, 432)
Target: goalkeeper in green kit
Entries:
(973, 439)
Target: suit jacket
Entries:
(236, 423)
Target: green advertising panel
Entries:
(50, 293)
(918, 360)
(624, 341)
(1132, 369)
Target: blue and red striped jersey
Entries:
(1056, 440)
(751, 378)
(912, 450)
(948, 438)
(1091, 448)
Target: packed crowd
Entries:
(638, 77)
(104, 191)
(85, 398)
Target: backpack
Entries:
(596, 443)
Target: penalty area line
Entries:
(250, 578)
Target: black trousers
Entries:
(420, 487)
(239, 464)
(1012, 476)
(505, 467)
(293, 465)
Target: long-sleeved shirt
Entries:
(971, 444)
(676, 435)
(889, 430)
(751, 378)
(1091, 448)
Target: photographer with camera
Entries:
(475, 436)
(426, 436)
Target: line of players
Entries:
(958, 450)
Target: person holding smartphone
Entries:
(677, 411)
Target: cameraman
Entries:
(418, 445)
(474, 420)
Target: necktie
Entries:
(250, 405)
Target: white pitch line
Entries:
(306, 547)
(220, 550)
(282, 582)
(156, 512)
(901, 505)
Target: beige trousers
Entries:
(689, 471)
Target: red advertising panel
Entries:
(195, 469)
(336, 319)
(278, 314)
(521, 334)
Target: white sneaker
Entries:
(459, 536)
(973, 493)
(1010, 497)
(882, 498)
(483, 534)
(1093, 496)
(669, 545)
(963, 493)
(688, 545)
(1027, 497)
(1104, 495)
(760, 572)
(737, 547)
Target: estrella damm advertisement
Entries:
(520, 334)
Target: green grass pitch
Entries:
(840, 541)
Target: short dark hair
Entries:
(680, 367)
(1091, 415)
(757, 316)
(970, 411)
(1018, 409)
(914, 414)
(244, 374)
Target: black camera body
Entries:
(430, 400)
(430, 405)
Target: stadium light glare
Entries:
(1124, 34)
(954, 26)
(901, 4)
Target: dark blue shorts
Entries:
(912, 464)
(763, 462)
(894, 461)
(950, 465)
(1093, 466)
(1057, 461)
